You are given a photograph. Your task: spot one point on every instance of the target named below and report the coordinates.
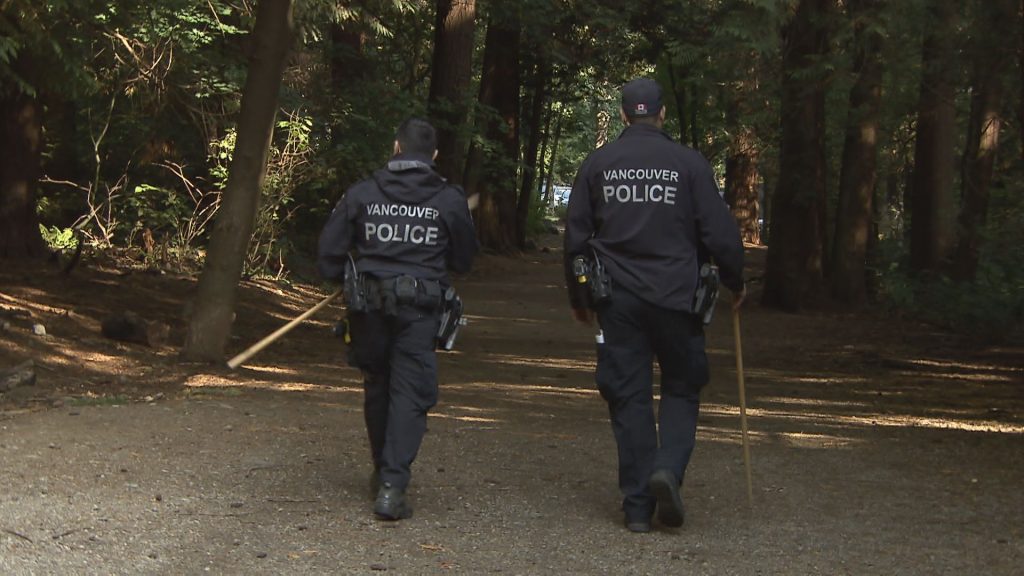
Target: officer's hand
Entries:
(738, 298)
(583, 315)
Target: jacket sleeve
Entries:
(579, 228)
(716, 228)
(462, 236)
(336, 239)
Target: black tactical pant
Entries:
(635, 334)
(396, 354)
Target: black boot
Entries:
(374, 482)
(665, 488)
(391, 503)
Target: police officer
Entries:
(648, 210)
(403, 229)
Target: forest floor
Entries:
(879, 446)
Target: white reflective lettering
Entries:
(622, 193)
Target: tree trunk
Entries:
(347, 55)
(793, 272)
(549, 181)
(451, 74)
(991, 59)
(527, 191)
(494, 174)
(932, 219)
(602, 124)
(741, 186)
(540, 163)
(679, 94)
(213, 313)
(741, 165)
(21, 138)
(858, 173)
(694, 101)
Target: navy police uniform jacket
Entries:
(404, 219)
(650, 210)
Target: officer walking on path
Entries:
(644, 215)
(392, 239)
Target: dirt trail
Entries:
(878, 447)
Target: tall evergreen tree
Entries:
(794, 268)
(858, 173)
(451, 73)
(933, 207)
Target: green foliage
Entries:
(991, 307)
(59, 239)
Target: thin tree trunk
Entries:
(549, 183)
(602, 125)
(679, 93)
(741, 164)
(793, 273)
(694, 102)
(934, 210)
(541, 163)
(214, 307)
(449, 84)
(494, 175)
(991, 61)
(528, 192)
(741, 186)
(858, 173)
(21, 137)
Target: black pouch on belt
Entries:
(405, 289)
(429, 294)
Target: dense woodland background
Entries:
(875, 146)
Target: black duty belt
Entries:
(388, 294)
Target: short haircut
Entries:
(651, 120)
(417, 136)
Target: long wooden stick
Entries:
(252, 350)
(743, 403)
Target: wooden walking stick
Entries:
(252, 350)
(743, 403)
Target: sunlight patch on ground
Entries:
(94, 357)
(523, 388)
(464, 408)
(809, 440)
(271, 370)
(734, 436)
(441, 414)
(886, 420)
(200, 381)
(561, 363)
(515, 320)
(959, 376)
(961, 365)
(810, 402)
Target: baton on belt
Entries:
(252, 350)
(743, 403)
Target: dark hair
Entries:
(417, 136)
(652, 120)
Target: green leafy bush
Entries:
(59, 239)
